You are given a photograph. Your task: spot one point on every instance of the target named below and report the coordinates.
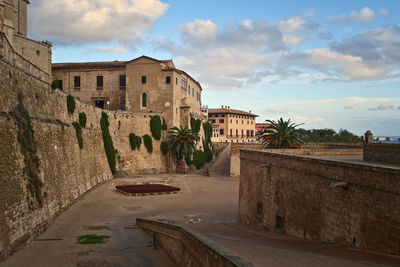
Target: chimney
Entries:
(229, 106)
(222, 106)
(249, 111)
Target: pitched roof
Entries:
(230, 111)
(89, 65)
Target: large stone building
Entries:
(143, 84)
(232, 125)
(31, 56)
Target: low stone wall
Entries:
(187, 248)
(382, 153)
(66, 171)
(235, 156)
(326, 145)
(355, 205)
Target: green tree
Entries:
(281, 134)
(182, 141)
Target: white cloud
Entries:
(383, 107)
(384, 12)
(365, 16)
(290, 39)
(96, 21)
(291, 25)
(278, 110)
(111, 50)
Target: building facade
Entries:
(260, 127)
(31, 56)
(232, 125)
(143, 84)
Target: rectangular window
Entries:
(237, 132)
(122, 100)
(247, 133)
(77, 83)
(99, 82)
(184, 82)
(221, 132)
(231, 132)
(122, 82)
(168, 79)
(212, 121)
(252, 132)
(176, 80)
(143, 79)
(231, 121)
(221, 121)
(60, 84)
(242, 132)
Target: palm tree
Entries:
(281, 134)
(182, 141)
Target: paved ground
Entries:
(208, 205)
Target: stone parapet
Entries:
(382, 153)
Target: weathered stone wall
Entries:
(327, 145)
(235, 156)
(187, 248)
(66, 171)
(349, 204)
(382, 153)
(219, 146)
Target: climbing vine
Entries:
(195, 124)
(148, 143)
(107, 140)
(164, 147)
(26, 138)
(155, 127)
(78, 131)
(164, 125)
(135, 141)
(82, 119)
(70, 104)
(199, 158)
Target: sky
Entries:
(325, 64)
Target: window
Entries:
(221, 121)
(192, 92)
(176, 80)
(242, 121)
(231, 132)
(122, 100)
(212, 121)
(221, 132)
(231, 120)
(122, 82)
(248, 122)
(77, 83)
(236, 121)
(143, 79)
(216, 115)
(252, 132)
(189, 91)
(247, 133)
(60, 84)
(237, 132)
(144, 100)
(184, 82)
(99, 82)
(222, 115)
(168, 79)
(242, 132)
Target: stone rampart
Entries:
(187, 248)
(382, 153)
(355, 205)
(66, 171)
(235, 156)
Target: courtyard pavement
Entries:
(207, 205)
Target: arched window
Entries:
(144, 100)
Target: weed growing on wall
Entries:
(135, 141)
(148, 143)
(78, 131)
(26, 139)
(155, 127)
(70, 104)
(164, 147)
(82, 119)
(107, 140)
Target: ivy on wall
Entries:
(199, 158)
(148, 143)
(135, 141)
(108, 143)
(70, 104)
(78, 131)
(26, 138)
(164, 125)
(164, 147)
(195, 124)
(82, 119)
(207, 127)
(155, 127)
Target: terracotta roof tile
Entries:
(230, 111)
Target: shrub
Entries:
(164, 147)
(107, 140)
(199, 159)
(135, 141)
(164, 125)
(70, 104)
(78, 131)
(82, 119)
(195, 124)
(207, 151)
(155, 127)
(148, 143)
(55, 84)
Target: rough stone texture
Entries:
(219, 146)
(328, 145)
(382, 153)
(187, 248)
(346, 203)
(235, 156)
(66, 171)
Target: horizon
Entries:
(321, 64)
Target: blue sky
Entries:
(327, 64)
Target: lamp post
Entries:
(108, 105)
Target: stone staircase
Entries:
(221, 165)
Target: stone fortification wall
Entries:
(382, 153)
(235, 156)
(187, 248)
(349, 204)
(327, 145)
(66, 171)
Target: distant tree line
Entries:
(328, 135)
